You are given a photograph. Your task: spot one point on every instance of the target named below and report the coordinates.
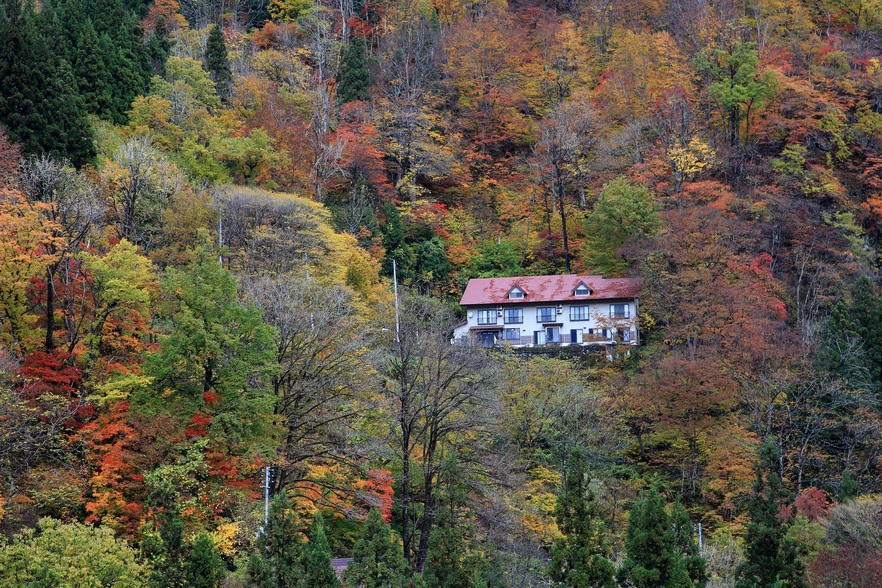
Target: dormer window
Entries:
(515, 293)
(582, 290)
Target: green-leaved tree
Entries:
(771, 557)
(317, 569)
(653, 558)
(579, 559)
(378, 558)
(623, 210)
(277, 561)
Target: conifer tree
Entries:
(39, 101)
(89, 69)
(653, 560)
(217, 63)
(125, 55)
(378, 558)
(684, 540)
(355, 80)
(580, 558)
(394, 244)
(164, 545)
(159, 46)
(203, 567)
(454, 558)
(277, 561)
(771, 558)
(317, 569)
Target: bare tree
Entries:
(408, 73)
(437, 393)
(138, 199)
(72, 207)
(319, 342)
(567, 148)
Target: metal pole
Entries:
(395, 290)
(266, 488)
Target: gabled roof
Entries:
(549, 289)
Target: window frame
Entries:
(585, 315)
(626, 312)
(541, 317)
(520, 316)
(515, 331)
(580, 287)
(516, 294)
(490, 314)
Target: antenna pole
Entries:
(266, 489)
(395, 289)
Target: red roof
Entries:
(548, 289)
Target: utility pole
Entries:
(266, 489)
(395, 290)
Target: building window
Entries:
(583, 290)
(579, 313)
(619, 311)
(552, 334)
(516, 293)
(546, 314)
(486, 317)
(514, 316)
(511, 334)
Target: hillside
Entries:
(200, 206)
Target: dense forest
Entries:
(200, 206)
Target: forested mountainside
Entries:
(200, 206)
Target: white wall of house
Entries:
(565, 323)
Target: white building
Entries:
(550, 310)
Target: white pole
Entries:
(395, 289)
(266, 489)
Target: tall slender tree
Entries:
(378, 558)
(653, 560)
(277, 561)
(317, 569)
(580, 559)
(771, 558)
(217, 62)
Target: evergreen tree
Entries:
(317, 569)
(164, 544)
(653, 560)
(125, 56)
(684, 540)
(159, 46)
(848, 487)
(216, 62)
(396, 247)
(852, 339)
(580, 558)
(39, 101)
(431, 261)
(771, 558)
(203, 567)
(355, 80)
(277, 561)
(454, 558)
(378, 558)
(89, 69)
